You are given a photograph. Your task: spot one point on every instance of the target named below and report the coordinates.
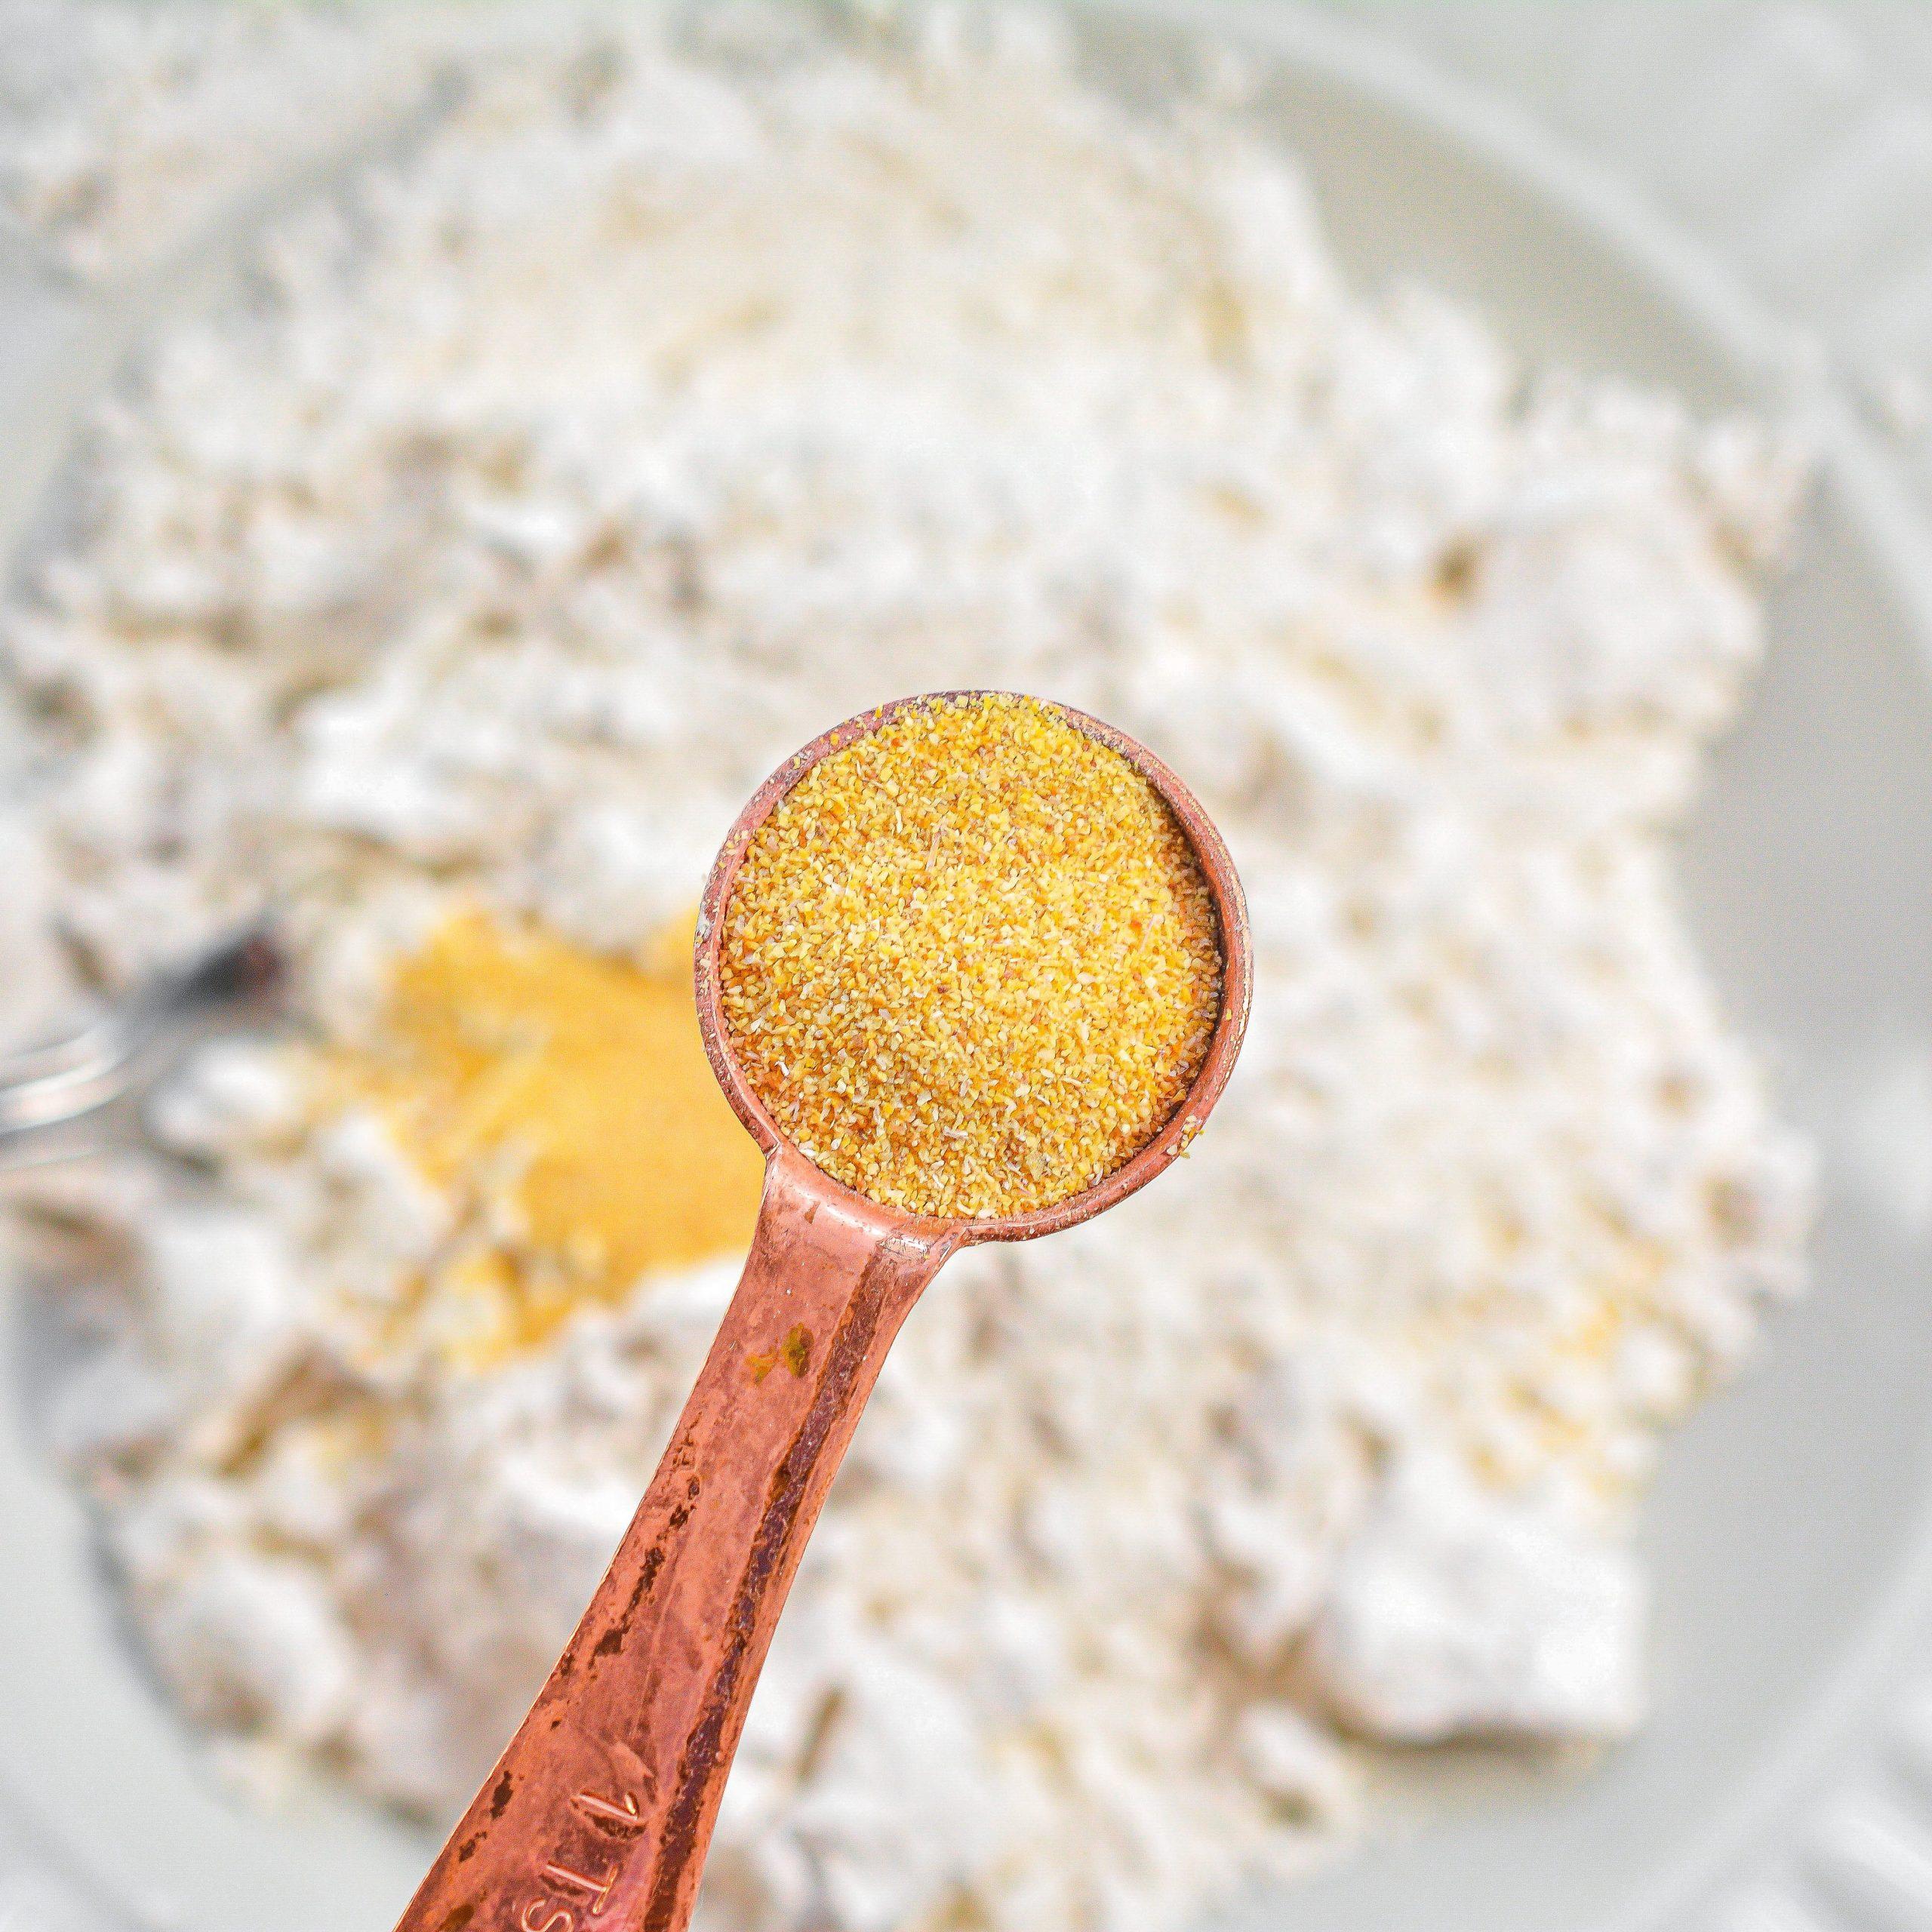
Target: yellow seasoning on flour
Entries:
(567, 1096)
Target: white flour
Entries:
(126, 129)
(662, 407)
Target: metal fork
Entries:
(48, 1086)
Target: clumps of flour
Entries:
(679, 391)
(126, 130)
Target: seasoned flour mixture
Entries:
(671, 393)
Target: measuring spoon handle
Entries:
(597, 1815)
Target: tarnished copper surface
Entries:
(599, 1812)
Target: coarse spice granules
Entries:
(971, 964)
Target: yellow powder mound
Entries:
(971, 964)
(567, 1098)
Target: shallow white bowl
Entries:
(1785, 1782)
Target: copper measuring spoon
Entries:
(598, 1814)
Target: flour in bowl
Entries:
(684, 388)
